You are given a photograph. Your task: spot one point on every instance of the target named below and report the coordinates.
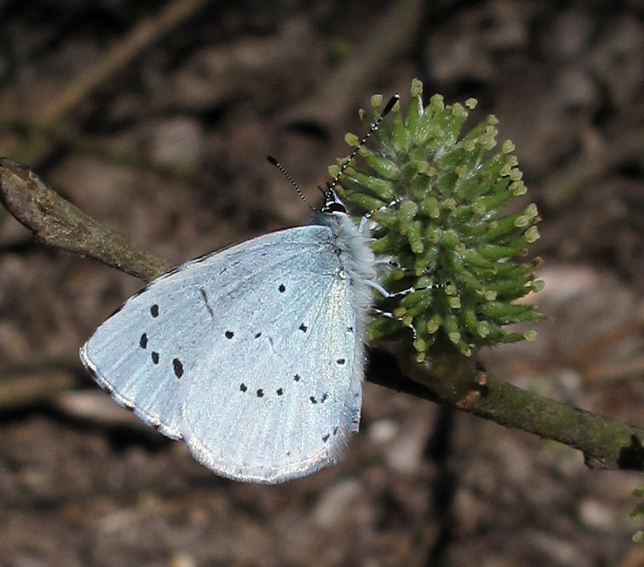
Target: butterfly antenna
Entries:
(392, 101)
(286, 174)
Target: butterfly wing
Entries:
(252, 354)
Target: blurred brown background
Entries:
(156, 117)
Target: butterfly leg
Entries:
(381, 313)
(389, 315)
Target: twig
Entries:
(55, 222)
(456, 381)
(604, 442)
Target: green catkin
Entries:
(434, 198)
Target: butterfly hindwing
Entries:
(287, 377)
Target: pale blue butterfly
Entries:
(254, 354)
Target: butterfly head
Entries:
(332, 203)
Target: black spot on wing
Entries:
(340, 361)
(282, 288)
(177, 366)
(323, 399)
(155, 357)
(326, 437)
(154, 310)
(229, 334)
(260, 393)
(297, 377)
(303, 328)
(143, 342)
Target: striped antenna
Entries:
(278, 165)
(392, 101)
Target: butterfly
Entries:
(253, 355)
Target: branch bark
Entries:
(55, 222)
(456, 381)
